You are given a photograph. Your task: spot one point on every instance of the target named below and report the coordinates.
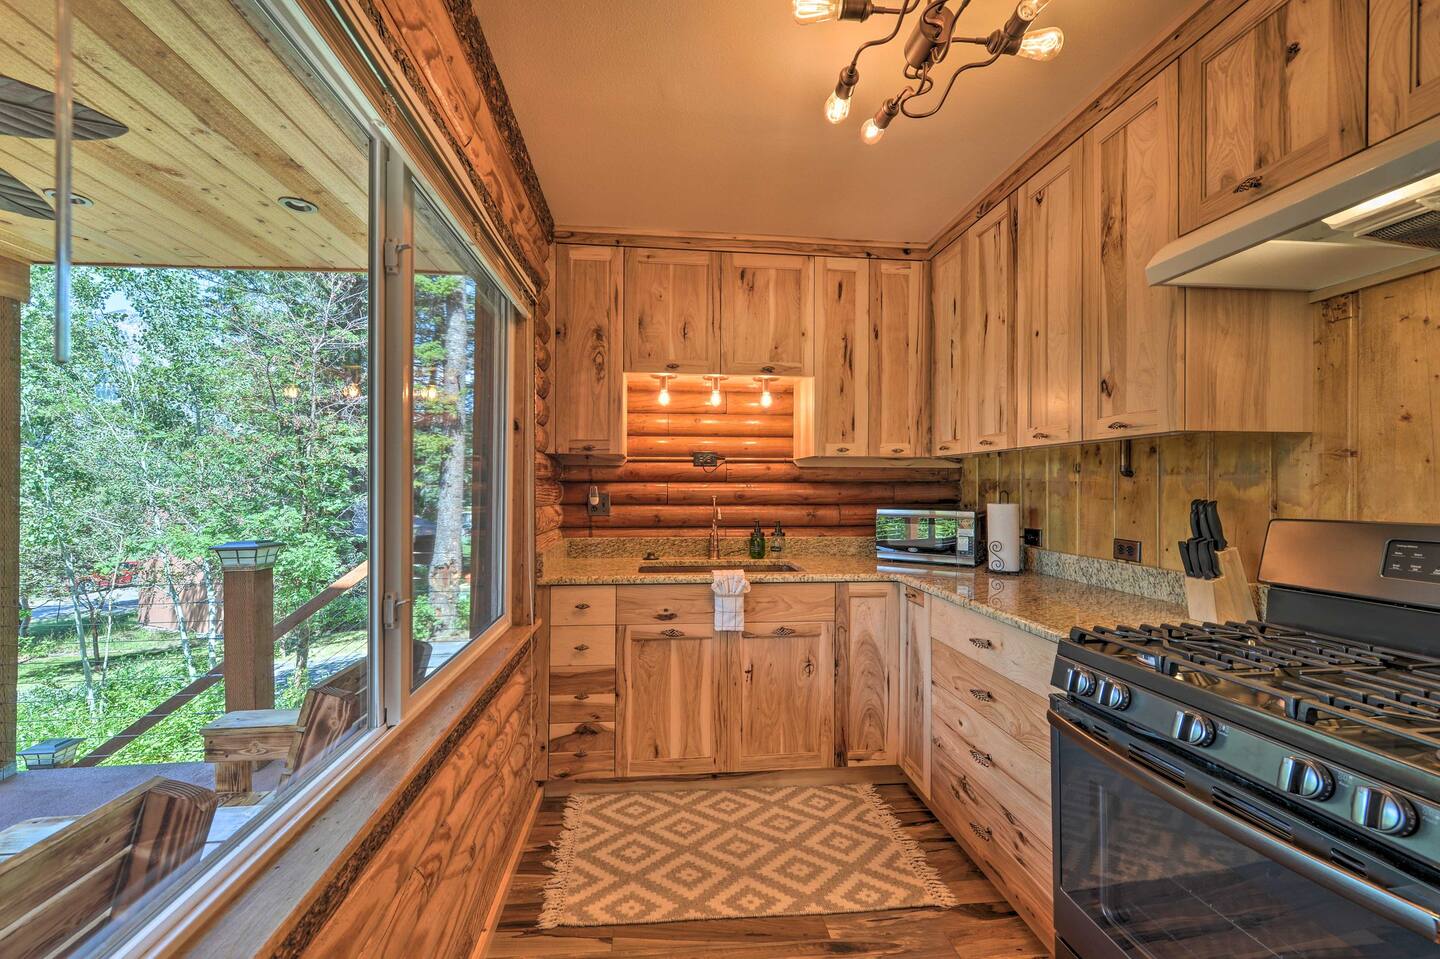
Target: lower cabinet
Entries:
(783, 712)
(669, 680)
(915, 693)
(868, 680)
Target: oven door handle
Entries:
(1402, 912)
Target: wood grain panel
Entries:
(949, 423)
(783, 701)
(987, 330)
(588, 410)
(1404, 65)
(1011, 708)
(840, 392)
(915, 695)
(869, 677)
(767, 314)
(671, 701)
(899, 389)
(672, 311)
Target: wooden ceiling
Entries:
(221, 124)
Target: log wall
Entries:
(659, 492)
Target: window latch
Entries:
(393, 249)
(390, 609)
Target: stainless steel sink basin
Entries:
(705, 567)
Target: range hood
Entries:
(1368, 218)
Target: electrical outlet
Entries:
(705, 460)
(1127, 550)
(601, 508)
(1032, 536)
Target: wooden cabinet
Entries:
(587, 399)
(987, 330)
(833, 409)
(949, 425)
(1134, 334)
(1404, 65)
(868, 677)
(766, 314)
(1049, 256)
(1274, 93)
(672, 311)
(783, 714)
(580, 678)
(669, 680)
(915, 690)
(899, 360)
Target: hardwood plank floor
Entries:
(982, 926)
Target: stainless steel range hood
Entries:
(1371, 217)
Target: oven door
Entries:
(1157, 859)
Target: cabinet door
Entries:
(1134, 339)
(766, 314)
(987, 330)
(1048, 302)
(1404, 65)
(869, 675)
(841, 389)
(915, 691)
(669, 711)
(947, 403)
(899, 338)
(672, 315)
(587, 399)
(1274, 93)
(784, 704)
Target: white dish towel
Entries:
(730, 587)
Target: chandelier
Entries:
(926, 49)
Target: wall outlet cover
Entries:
(1032, 536)
(601, 508)
(1127, 550)
(706, 460)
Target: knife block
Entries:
(1225, 598)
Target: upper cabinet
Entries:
(987, 331)
(947, 403)
(1404, 65)
(1134, 334)
(835, 417)
(1272, 94)
(767, 314)
(900, 359)
(672, 311)
(588, 408)
(1048, 302)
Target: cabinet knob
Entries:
(1249, 183)
(979, 643)
(983, 695)
(582, 605)
(666, 617)
(981, 832)
(982, 758)
(581, 647)
(1118, 426)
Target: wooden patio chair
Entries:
(239, 741)
(56, 892)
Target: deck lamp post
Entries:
(249, 622)
(51, 753)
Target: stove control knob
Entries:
(1079, 681)
(1112, 694)
(1193, 729)
(1383, 811)
(1305, 778)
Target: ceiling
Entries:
(705, 115)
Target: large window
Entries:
(193, 530)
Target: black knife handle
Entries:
(1197, 509)
(1212, 521)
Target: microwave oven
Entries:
(937, 536)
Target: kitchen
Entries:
(992, 511)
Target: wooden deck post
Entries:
(249, 623)
(14, 290)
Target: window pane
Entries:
(218, 393)
(458, 444)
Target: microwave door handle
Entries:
(1402, 912)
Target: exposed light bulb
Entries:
(664, 397)
(817, 11)
(871, 132)
(715, 398)
(837, 108)
(766, 399)
(1030, 9)
(1042, 44)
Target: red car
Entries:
(124, 576)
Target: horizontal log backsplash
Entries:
(658, 492)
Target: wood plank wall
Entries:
(659, 492)
(1373, 455)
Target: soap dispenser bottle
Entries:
(777, 541)
(757, 542)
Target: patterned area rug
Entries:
(733, 853)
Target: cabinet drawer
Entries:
(784, 602)
(582, 738)
(582, 765)
(641, 605)
(1010, 707)
(1013, 653)
(582, 646)
(582, 708)
(1014, 774)
(582, 606)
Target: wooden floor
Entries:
(983, 926)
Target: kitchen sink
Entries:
(705, 567)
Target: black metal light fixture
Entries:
(928, 45)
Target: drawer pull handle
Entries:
(767, 369)
(581, 647)
(981, 832)
(979, 643)
(1038, 435)
(987, 443)
(1118, 426)
(982, 758)
(897, 449)
(842, 449)
(582, 606)
(672, 366)
(582, 696)
(784, 631)
(672, 633)
(666, 617)
(581, 754)
(563, 774)
(588, 447)
(983, 695)
(1250, 182)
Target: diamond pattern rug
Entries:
(648, 857)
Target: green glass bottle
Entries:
(757, 542)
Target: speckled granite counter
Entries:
(1044, 605)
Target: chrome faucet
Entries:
(714, 529)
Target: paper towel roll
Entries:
(1003, 522)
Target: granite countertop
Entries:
(1044, 605)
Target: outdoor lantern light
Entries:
(51, 753)
(248, 554)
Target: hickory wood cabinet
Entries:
(767, 314)
(672, 311)
(1271, 95)
(588, 399)
(986, 331)
(1404, 65)
(948, 423)
(915, 694)
(868, 674)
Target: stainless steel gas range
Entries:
(1258, 790)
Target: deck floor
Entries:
(982, 926)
